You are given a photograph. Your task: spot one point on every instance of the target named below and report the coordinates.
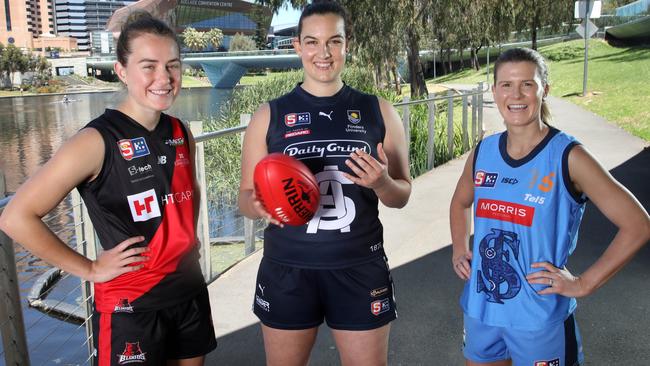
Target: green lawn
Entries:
(192, 82)
(617, 84)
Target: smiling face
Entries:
(152, 75)
(322, 49)
(518, 92)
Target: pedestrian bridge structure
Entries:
(223, 69)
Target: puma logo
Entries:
(329, 116)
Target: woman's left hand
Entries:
(369, 172)
(559, 280)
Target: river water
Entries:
(31, 130)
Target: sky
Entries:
(286, 15)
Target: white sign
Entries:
(594, 9)
(591, 29)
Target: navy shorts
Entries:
(353, 298)
(153, 337)
(557, 344)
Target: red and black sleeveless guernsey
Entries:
(322, 132)
(145, 187)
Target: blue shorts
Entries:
(558, 344)
(354, 298)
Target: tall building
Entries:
(80, 18)
(23, 21)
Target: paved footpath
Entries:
(614, 321)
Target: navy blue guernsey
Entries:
(322, 132)
(145, 187)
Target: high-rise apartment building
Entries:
(23, 21)
(80, 18)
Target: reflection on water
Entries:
(31, 130)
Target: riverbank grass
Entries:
(617, 84)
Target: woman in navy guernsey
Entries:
(333, 268)
(133, 166)
(528, 187)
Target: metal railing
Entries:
(26, 343)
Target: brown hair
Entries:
(323, 8)
(528, 55)
(141, 22)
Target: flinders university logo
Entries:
(132, 354)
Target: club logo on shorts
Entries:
(133, 148)
(555, 362)
(485, 179)
(379, 291)
(123, 306)
(144, 205)
(265, 305)
(379, 306)
(297, 119)
(354, 116)
(132, 354)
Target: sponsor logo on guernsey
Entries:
(379, 306)
(328, 115)
(176, 197)
(132, 354)
(325, 148)
(133, 148)
(379, 291)
(265, 305)
(554, 362)
(178, 141)
(137, 170)
(505, 211)
(123, 306)
(297, 119)
(485, 179)
(144, 205)
(181, 160)
(303, 132)
(511, 181)
(354, 116)
(162, 159)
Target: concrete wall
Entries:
(79, 64)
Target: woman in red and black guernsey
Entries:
(133, 166)
(333, 268)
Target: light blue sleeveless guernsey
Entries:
(525, 211)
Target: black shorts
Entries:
(151, 338)
(354, 298)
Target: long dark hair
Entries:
(323, 8)
(528, 55)
(140, 22)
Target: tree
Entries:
(214, 37)
(240, 42)
(13, 60)
(194, 39)
(531, 15)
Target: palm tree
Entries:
(240, 42)
(214, 37)
(194, 39)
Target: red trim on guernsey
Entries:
(104, 342)
(173, 239)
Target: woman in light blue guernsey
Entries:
(528, 187)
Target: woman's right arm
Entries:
(78, 160)
(460, 217)
(253, 150)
